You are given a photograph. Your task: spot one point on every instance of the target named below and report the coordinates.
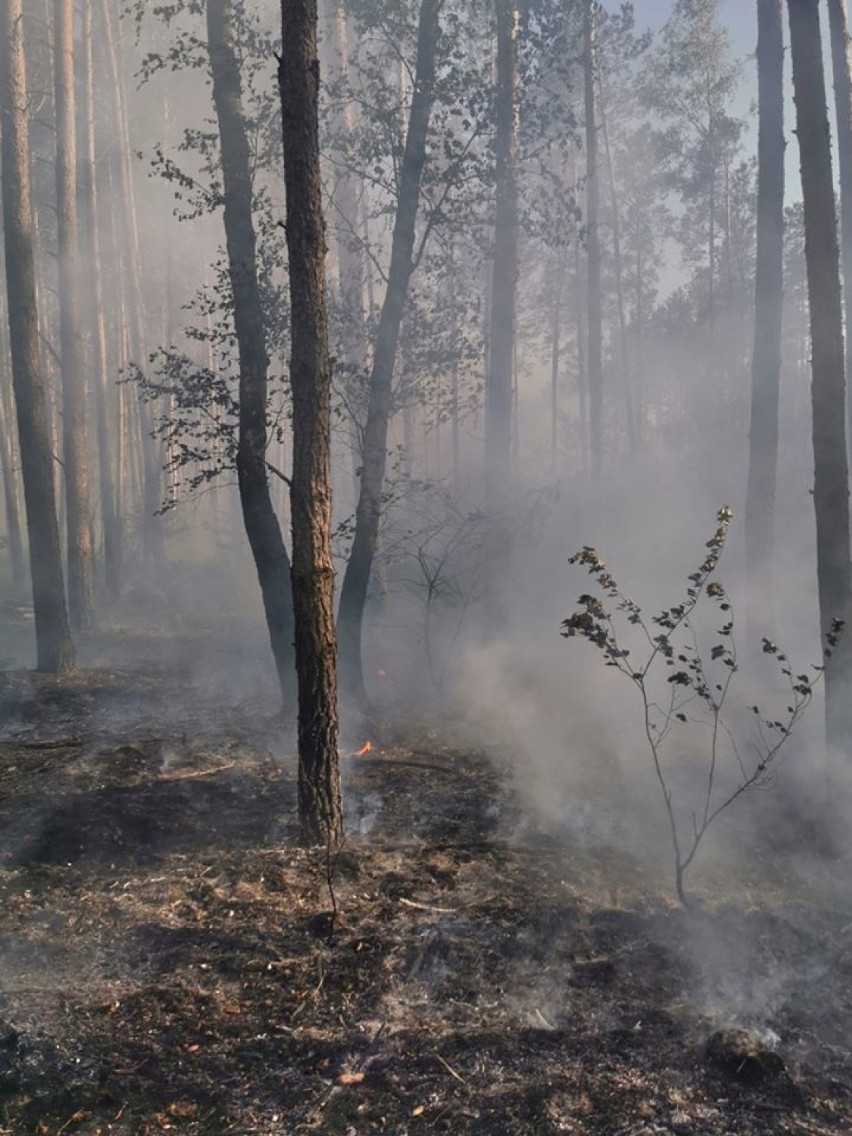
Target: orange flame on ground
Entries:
(364, 749)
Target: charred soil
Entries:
(170, 961)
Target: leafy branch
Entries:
(697, 685)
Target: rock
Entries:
(743, 1056)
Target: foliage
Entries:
(696, 684)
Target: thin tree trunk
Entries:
(839, 26)
(729, 263)
(100, 380)
(769, 306)
(582, 361)
(10, 463)
(10, 488)
(54, 649)
(74, 435)
(593, 248)
(261, 523)
(353, 593)
(618, 264)
(831, 474)
(711, 237)
(638, 334)
(347, 208)
(320, 806)
(556, 358)
(455, 408)
(150, 462)
(499, 387)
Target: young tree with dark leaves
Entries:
(261, 523)
(353, 594)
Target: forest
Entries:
(425, 567)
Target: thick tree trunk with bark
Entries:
(353, 593)
(504, 280)
(593, 247)
(768, 305)
(54, 649)
(74, 438)
(839, 28)
(261, 523)
(831, 474)
(320, 807)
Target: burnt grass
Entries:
(170, 960)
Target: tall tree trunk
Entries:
(10, 488)
(320, 806)
(499, 393)
(455, 379)
(74, 435)
(347, 206)
(54, 649)
(9, 459)
(346, 195)
(593, 247)
(261, 523)
(580, 307)
(144, 415)
(618, 264)
(711, 234)
(769, 306)
(100, 380)
(558, 300)
(831, 480)
(353, 594)
(839, 26)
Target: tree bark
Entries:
(346, 195)
(54, 649)
(10, 496)
(320, 806)
(594, 346)
(831, 480)
(74, 437)
(261, 523)
(9, 465)
(839, 28)
(143, 418)
(769, 306)
(618, 264)
(110, 520)
(499, 393)
(558, 300)
(353, 593)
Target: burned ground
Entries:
(169, 960)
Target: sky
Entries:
(739, 17)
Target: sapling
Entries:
(697, 681)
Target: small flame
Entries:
(365, 748)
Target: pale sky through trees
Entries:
(737, 15)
